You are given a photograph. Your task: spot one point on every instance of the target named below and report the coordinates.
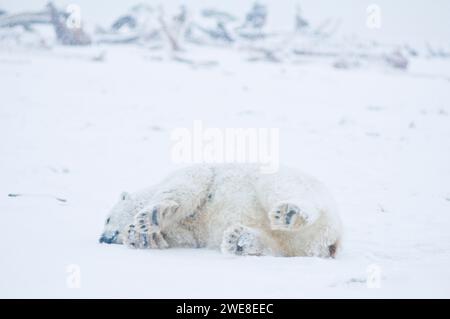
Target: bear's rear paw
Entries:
(240, 240)
(138, 239)
(287, 216)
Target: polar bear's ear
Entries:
(125, 196)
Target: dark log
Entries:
(64, 34)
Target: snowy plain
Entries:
(84, 129)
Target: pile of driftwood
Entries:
(151, 27)
(146, 24)
(65, 33)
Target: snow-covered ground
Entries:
(84, 129)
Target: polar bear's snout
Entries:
(110, 238)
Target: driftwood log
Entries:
(50, 16)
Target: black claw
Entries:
(155, 217)
(144, 241)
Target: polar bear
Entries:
(231, 207)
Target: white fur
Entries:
(232, 207)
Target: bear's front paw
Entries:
(240, 240)
(150, 219)
(134, 238)
(287, 216)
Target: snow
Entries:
(85, 129)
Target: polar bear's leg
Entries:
(135, 239)
(145, 232)
(243, 241)
(289, 216)
(153, 217)
(179, 196)
(289, 200)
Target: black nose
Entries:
(108, 239)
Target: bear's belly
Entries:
(232, 200)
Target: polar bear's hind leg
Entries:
(242, 241)
(288, 216)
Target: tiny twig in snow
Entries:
(63, 200)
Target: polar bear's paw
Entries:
(135, 238)
(287, 216)
(151, 218)
(241, 240)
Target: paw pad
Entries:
(241, 241)
(287, 216)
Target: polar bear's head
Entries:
(119, 217)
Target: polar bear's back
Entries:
(242, 194)
(224, 195)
